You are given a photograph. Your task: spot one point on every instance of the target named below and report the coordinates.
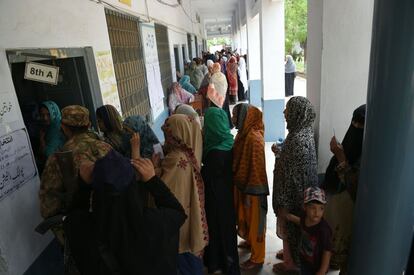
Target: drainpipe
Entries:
(384, 211)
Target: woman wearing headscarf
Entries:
(223, 64)
(201, 66)
(204, 84)
(217, 91)
(186, 85)
(243, 78)
(110, 123)
(178, 96)
(250, 180)
(196, 75)
(185, 109)
(295, 170)
(341, 180)
(51, 137)
(137, 124)
(221, 253)
(290, 74)
(232, 68)
(181, 171)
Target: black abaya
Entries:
(221, 252)
(289, 83)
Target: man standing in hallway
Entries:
(59, 182)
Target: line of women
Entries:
(220, 182)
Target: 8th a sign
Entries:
(41, 73)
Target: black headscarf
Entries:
(352, 144)
(118, 176)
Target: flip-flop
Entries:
(281, 267)
(248, 265)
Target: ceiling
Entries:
(217, 15)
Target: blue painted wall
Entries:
(159, 121)
(274, 119)
(255, 92)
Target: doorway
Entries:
(177, 59)
(77, 85)
(184, 56)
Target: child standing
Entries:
(316, 244)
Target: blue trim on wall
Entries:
(255, 92)
(156, 126)
(274, 119)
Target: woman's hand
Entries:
(275, 149)
(281, 213)
(144, 167)
(337, 150)
(135, 146)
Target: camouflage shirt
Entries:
(84, 147)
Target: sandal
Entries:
(281, 267)
(248, 265)
(244, 245)
(279, 254)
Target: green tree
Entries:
(216, 41)
(296, 17)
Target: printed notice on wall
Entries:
(107, 79)
(17, 165)
(8, 108)
(152, 68)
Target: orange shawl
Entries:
(249, 164)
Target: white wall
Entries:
(253, 53)
(177, 38)
(243, 39)
(56, 24)
(314, 58)
(347, 27)
(37, 24)
(272, 49)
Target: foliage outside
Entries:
(296, 17)
(219, 41)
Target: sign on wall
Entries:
(126, 2)
(152, 67)
(17, 165)
(107, 79)
(41, 73)
(8, 108)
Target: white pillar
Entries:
(272, 45)
(314, 58)
(254, 47)
(272, 39)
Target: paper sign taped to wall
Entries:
(8, 108)
(17, 164)
(152, 68)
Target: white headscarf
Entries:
(243, 73)
(290, 66)
(210, 63)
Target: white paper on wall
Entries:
(8, 108)
(17, 165)
(152, 68)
